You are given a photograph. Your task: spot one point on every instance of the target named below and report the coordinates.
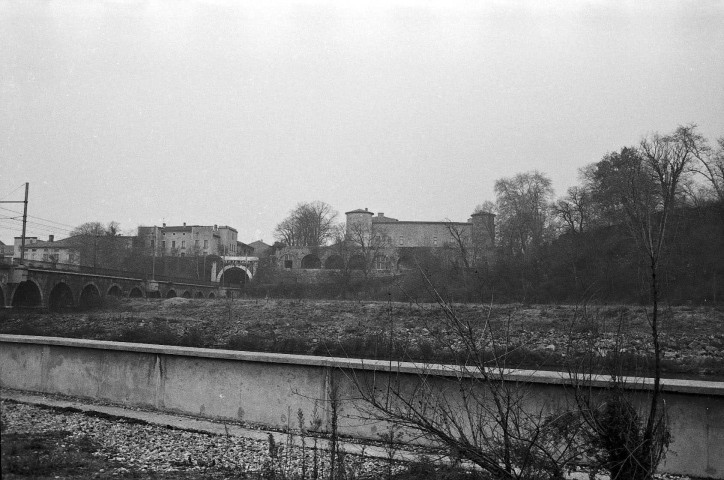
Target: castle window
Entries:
(206, 244)
(163, 244)
(381, 262)
(287, 261)
(183, 243)
(401, 240)
(173, 243)
(434, 241)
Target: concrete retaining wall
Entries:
(269, 389)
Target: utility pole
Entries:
(153, 243)
(25, 220)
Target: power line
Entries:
(16, 189)
(39, 218)
(10, 210)
(43, 225)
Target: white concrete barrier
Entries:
(268, 389)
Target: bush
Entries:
(250, 342)
(158, 334)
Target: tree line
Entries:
(660, 201)
(664, 196)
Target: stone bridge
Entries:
(234, 270)
(55, 287)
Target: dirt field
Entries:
(538, 336)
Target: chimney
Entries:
(380, 214)
(184, 224)
(365, 209)
(164, 224)
(51, 238)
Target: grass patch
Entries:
(56, 452)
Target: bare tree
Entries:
(666, 159)
(523, 210)
(461, 240)
(113, 229)
(486, 207)
(89, 229)
(647, 189)
(364, 246)
(608, 183)
(475, 410)
(710, 165)
(308, 225)
(574, 210)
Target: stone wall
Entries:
(265, 389)
(422, 234)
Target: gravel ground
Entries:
(136, 450)
(130, 449)
(692, 338)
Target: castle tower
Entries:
(359, 225)
(483, 236)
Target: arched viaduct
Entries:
(57, 289)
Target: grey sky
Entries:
(230, 112)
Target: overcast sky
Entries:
(226, 112)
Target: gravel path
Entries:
(136, 449)
(133, 449)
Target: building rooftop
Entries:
(359, 210)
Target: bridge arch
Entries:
(186, 294)
(90, 296)
(136, 292)
(199, 294)
(212, 295)
(356, 262)
(171, 293)
(334, 262)
(114, 291)
(236, 274)
(311, 261)
(27, 294)
(60, 297)
(405, 263)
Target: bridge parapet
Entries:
(43, 286)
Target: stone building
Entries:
(476, 235)
(84, 250)
(66, 251)
(261, 249)
(185, 240)
(381, 244)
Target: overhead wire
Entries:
(40, 218)
(13, 191)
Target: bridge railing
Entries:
(110, 272)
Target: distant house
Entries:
(65, 251)
(261, 249)
(244, 250)
(108, 251)
(192, 240)
(6, 251)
